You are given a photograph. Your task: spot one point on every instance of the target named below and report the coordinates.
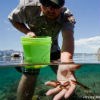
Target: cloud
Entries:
(87, 45)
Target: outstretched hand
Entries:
(64, 86)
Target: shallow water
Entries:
(88, 74)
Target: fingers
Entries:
(61, 89)
(60, 95)
(70, 91)
(52, 83)
(53, 91)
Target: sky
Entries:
(86, 32)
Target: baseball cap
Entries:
(53, 3)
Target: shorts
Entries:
(53, 56)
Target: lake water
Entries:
(88, 74)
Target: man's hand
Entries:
(63, 87)
(31, 34)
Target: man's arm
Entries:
(22, 28)
(18, 19)
(65, 72)
(67, 46)
(67, 51)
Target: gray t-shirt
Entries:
(30, 14)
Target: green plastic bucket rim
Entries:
(37, 40)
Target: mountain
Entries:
(7, 53)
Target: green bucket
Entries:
(36, 50)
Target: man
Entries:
(47, 18)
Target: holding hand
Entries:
(31, 34)
(64, 86)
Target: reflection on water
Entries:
(86, 58)
(88, 74)
(10, 60)
(78, 58)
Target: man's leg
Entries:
(26, 87)
(27, 84)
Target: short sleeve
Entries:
(17, 15)
(67, 24)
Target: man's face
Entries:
(50, 12)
